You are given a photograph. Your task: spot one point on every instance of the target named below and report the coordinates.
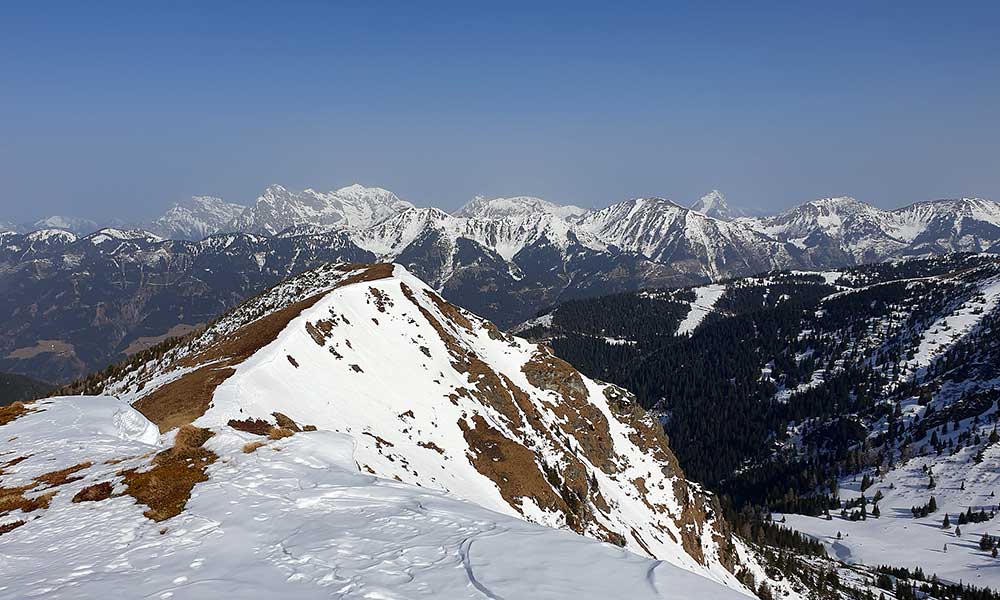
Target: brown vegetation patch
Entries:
(8, 527)
(58, 347)
(94, 493)
(431, 446)
(14, 410)
(12, 462)
(252, 446)
(12, 499)
(285, 422)
(254, 426)
(63, 476)
(381, 298)
(166, 487)
(379, 442)
(277, 433)
(321, 331)
(509, 465)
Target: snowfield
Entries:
(704, 303)
(294, 519)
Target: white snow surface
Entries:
(294, 519)
(898, 539)
(704, 302)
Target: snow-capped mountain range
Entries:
(503, 258)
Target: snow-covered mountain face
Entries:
(849, 231)
(714, 204)
(75, 225)
(195, 218)
(518, 206)
(351, 207)
(689, 241)
(416, 390)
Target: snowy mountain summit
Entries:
(713, 204)
(195, 218)
(518, 206)
(350, 207)
(351, 433)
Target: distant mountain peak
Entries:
(714, 204)
(351, 207)
(195, 218)
(75, 225)
(517, 206)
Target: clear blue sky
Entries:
(119, 109)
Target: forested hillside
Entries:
(779, 385)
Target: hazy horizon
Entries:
(120, 110)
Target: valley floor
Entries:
(896, 538)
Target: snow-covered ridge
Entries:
(433, 396)
(517, 206)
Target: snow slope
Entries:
(293, 519)
(705, 298)
(898, 539)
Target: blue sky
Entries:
(119, 109)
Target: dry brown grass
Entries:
(285, 422)
(63, 476)
(166, 487)
(254, 426)
(510, 465)
(12, 499)
(190, 438)
(94, 493)
(6, 527)
(252, 446)
(277, 433)
(13, 411)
